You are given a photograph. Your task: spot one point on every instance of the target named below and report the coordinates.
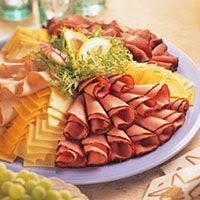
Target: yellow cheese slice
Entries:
(56, 114)
(21, 151)
(52, 129)
(53, 122)
(40, 143)
(48, 162)
(43, 93)
(5, 146)
(46, 135)
(37, 149)
(30, 105)
(7, 157)
(39, 101)
(59, 101)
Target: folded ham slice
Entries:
(97, 87)
(121, 145)
(121, 83)
(121, 113)
(161, 127)
(70, 154)
(96, 115)
(142, 104)
(180, 105)
(97, 150)
(77, 125)
(172, 116)
(159, 92)
(144, 140)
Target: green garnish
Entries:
(68, 76)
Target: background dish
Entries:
(137, 165)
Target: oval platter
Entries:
(111, 172)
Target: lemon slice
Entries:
(100, 45)
(74, 40)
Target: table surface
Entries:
(177, 22)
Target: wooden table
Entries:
(177, 22)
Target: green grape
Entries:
(27, 197)
(20, 181)
(16, 191)
(2, 167)
(30, 185)
(53, 195)
(23, 174)
(7, 198)
(32, 176)
(46, 183)
(38, 193)
(66, 195)
(6, 186)
(6, 176)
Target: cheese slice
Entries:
(48, 162)
(43, 93)
(21, 151)
(5, 146)
(30, 105)
(40, 143)
(59, 101)
(47, 135)
(7, 157)
(39, 101)
(46, 127)
(53, 122)
(56, 114)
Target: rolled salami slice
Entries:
(97, 87)
(121, 113)
(97, 150)
(77, 125)
(158, 92)
(180, 104)
(97, 117)
(144, 140)
(142, 104)
(121, 145)
(172, 116)
(121, 83)
(161, 127)
(70, 154)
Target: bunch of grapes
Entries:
(28, 186)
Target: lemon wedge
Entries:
(74, 40)
(100, 45)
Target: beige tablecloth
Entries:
(177, 22)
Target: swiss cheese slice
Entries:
(7, 157)
(56, 114)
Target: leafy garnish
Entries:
(68, 76)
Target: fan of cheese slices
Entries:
(179, 86)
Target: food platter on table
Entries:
(83, 110)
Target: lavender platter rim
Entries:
(112, 172)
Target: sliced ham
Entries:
(97, 87)
(172, 116)
(97, 150)
(159, 92)
(168, 66)
(159, 50)
(96, 115)
(121, 83)
(76, 125)
(142, 104)
(161, 127)
(121, 146)
(180, 105)
(70, 154)
(138, 54)
(144, 140)
(121, 113)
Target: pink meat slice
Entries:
(144, 140)
(142, 104)
(159, 92)
(96, 115)
(138, 54)
(161, 127)
(121, 113)
(121, 83)
(70, 154)
(96, 149)
(168, 66)
(121, 145)
(76, 124)
(179, 104)
(97, 87)
(159, 50)
(172, 116)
